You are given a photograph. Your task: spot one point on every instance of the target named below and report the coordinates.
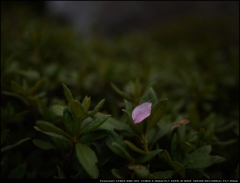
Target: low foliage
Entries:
(67, 104)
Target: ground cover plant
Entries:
(159, 104)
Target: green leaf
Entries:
(163, 175)
(140, 171)
(167, 157)
(68, 120)
(14, 145)
(86, 104)
(112, 138)
(151, 136)
(61, 175)
(4, 135)
(67, 93)
(57, 109)
(92, 126)
(76, 109)
(18, 172)
(149, 96)
(128, 106)
(97, 108)
(39, 86)
(49, 127)
(118, 174)
(161, 132)
(133, 147)
(223, 143)
(201, 152)
(118, 91)
(175, 148)
(131, 123)
(117, 125)
(19, 116)
(204, 162)
(157, 113)
(122, 151)
(16, 95)
(52, 134)
(187, 147)
(93, 136)
(43, 144)
(106, 126)
(225, 127)
(88, 159)
(17, 88)
(149, 156)
(179, 168)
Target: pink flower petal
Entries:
(141, 112)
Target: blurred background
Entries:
(112, 18)
(189, 49)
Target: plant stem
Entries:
(144, 142)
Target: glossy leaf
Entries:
(97, 108)
(68, 120)
(128, 106)
(201, 152)
(118, 91)
(118, 174)
(106, 126)
(52, 134)
(93, 136)
(179, 168)
(43, 144)
(88, 159)
(14, 145)
(149, 96)
(67, 93)
(167, 157)
(93, 125)
(131, 123)
(113, 137)
(175, 148)
(187, 147)
(148, 156)
(117, 125)
(76, 109)
(133, 147)
(204, 162)
(140, 171)
(86, 103)
(161, 132)
(4, 135)
(122, 151)
(49, 127)
(57, 109)
(157, 113)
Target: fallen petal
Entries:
(141, 112)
